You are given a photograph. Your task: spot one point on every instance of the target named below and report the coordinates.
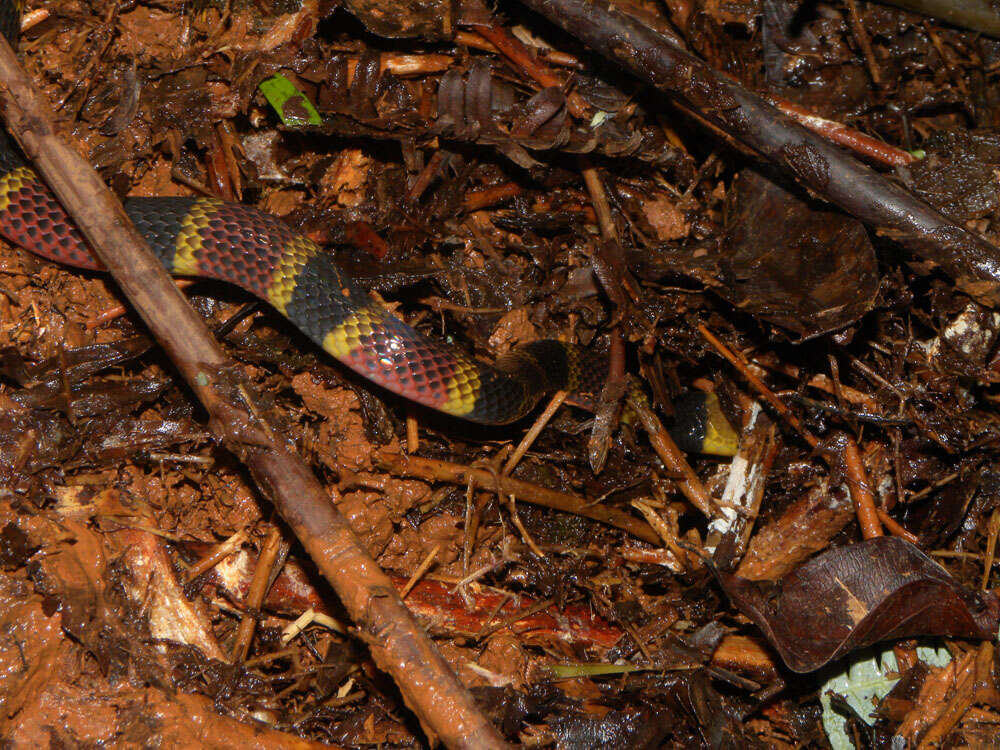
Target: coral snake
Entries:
(208, 237)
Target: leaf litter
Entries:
(447, 173)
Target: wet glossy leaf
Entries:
(806, 269)
(854, 596)
(292, 106)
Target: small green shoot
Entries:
(292, 106)
(571, 671)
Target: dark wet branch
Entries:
(971, 261)
(978, 15)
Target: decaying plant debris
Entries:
(495, 180)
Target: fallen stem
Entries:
(443, 471)
(398, 645)
(861, 493)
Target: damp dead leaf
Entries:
(854, 596)
(806, 269)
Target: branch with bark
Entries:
(888, 208)
(398, 644)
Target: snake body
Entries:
(235, 243)
(241, 245)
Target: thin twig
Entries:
(531, 435)
(442, 471)
(554, 56)
(599, 198)
(419, 572)
(514, 618)
(758, 385)
(219, 553)
(836, 132)
(673, 457)
(895, 527)
(666, 533)
(515, 518)
(518, 54)
(858, 29)
(255, 596)
(861, 493)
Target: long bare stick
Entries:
(443, 705)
